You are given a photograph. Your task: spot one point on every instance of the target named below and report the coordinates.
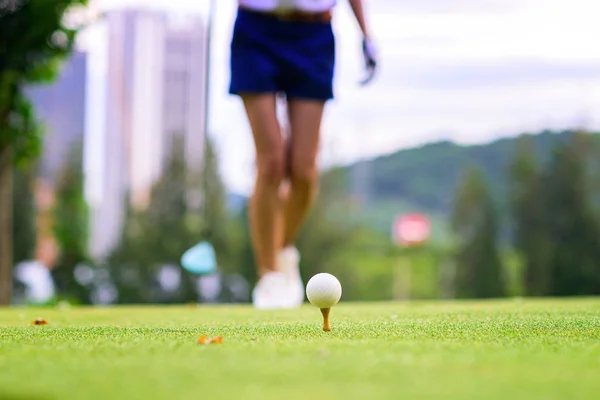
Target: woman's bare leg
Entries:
(265, 205)
(305, 125)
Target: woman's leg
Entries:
(265, 205)
(305, 125)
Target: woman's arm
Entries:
(359, 13)
(368, 47)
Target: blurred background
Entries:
(470, 168)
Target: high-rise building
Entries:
(135, 95)
(185, 87)
(155, 91)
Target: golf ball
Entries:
(323, 290)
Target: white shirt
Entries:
(276, 5)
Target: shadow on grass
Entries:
(22, 396)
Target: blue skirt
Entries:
(271, 55)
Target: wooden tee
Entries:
(326, 324)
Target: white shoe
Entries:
(288, 261)
(272, 292)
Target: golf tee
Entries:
(326, 324)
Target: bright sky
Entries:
(465, 70)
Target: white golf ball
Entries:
(323, 290)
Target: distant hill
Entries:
(425, 179)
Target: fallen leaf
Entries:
(216, 340)
(39, 321)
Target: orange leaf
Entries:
(216, 340)
(39, 321)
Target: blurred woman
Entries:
(285, 49)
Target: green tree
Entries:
(158, 234)
(33, 42)
(529, 237)
(130, 263)
(70, 224)
(174, 221)
(479, 270)
(218, 227)
(245, 263)
(570, 221)
(24, 232)
(328, 236)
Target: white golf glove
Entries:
(370, 57)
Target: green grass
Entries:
(512, 350)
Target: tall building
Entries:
(185, 88)
(155, 90)
(135, 94)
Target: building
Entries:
(155, 90)
(185, 88)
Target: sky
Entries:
(464, 70)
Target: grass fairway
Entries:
(542, 349)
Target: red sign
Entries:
(411, 229)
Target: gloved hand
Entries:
(370, 56)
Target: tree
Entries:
(28, 58)
(218, 227)
(24, 231)
(245, 263)
(158, 234)
(328, 236)
(479, 271)
(570, 221)
(175, 221)
(129, 262)
(71, 224)
(529, 233)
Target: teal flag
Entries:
(200, 259)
